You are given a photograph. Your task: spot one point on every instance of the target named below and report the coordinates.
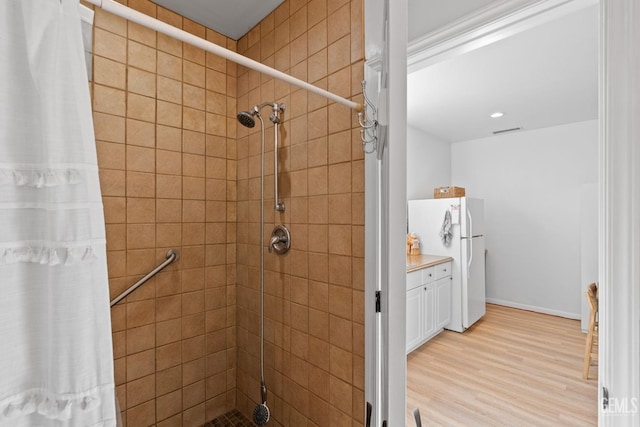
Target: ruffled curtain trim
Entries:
(47, 255)
(39, 178)
(49, 405)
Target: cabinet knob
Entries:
(445, 269)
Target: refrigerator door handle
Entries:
(470, 256)
(470, 223)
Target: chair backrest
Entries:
(592, 297)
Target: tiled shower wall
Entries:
(314, 329)
(165, 127)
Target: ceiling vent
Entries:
(500, 132)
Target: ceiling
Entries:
(541, 77)
(426, 16)
(232, 18)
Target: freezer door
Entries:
(471, 217)
(473, 281)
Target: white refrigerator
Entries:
(466, 247)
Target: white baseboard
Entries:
(534, 308)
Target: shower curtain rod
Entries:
(169, 30)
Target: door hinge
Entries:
(605, 398)
(378, 308)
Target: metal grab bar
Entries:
(172, 255)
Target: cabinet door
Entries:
(443, 302)
(414, 308)
(428, 311)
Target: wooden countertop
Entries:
(418, 262)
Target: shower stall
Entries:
(183, 145)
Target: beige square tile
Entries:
(140, 133)
(169, 66)
(341, 395)
(193, 211)
(193, 142)
(340, 208)
(168, 210)
(318, 33)
(193, 119)
(193, 348)
(109, 128)
(168, 380)
(340, 270)
(140, 184)
(194, 74)
(141, 210)
(340, 23)
(168, 235)
(193, 233)
(114, 210)
(169, 90)
(112, 182)
(193, 188)
(141, 56)
(216, 124)
(110, 155)
(194, 97)
(168, 331)
(141, 236)
(141, 107)
(109, 73)
(142, 415)
(318, 65)
(169, 405)
(169, 187)
(216, 81)
(116, 237)
(140, 339)
(140, 159)
(168, 356)
(108, 100)
(140, 365)
(169, 114)
(168, 307)
(141, 82)
(339, 54)
(168, 162)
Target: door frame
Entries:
(619, 190)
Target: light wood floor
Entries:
(512, 368)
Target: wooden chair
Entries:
(592, 332)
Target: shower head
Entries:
(246, 118)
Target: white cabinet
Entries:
(428, 303)
(414, 308)
(443, 302)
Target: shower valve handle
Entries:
(280, 240)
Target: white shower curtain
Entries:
(56, 364)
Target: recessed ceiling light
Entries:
(497, 114)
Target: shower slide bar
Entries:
(172, 256)
(171, 31)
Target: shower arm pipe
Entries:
(171, 31)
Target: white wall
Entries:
(532, 182)
(428, 164)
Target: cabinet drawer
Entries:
(428, 275)
(443, 270)
(414, 279)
